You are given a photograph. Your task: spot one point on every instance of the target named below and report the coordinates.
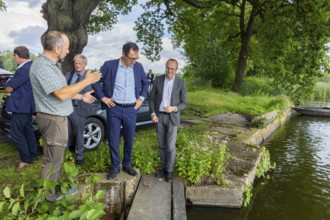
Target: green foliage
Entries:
(17, 205)
(260, 123)
(219, 158)
(265, 164)
(2, 6)
(105, 15)
(146, 156)
(98, 160)
(198, 157)
(235, 133)
(260, 85)
(7, 61)
(291, 50)
(208, 102)
(322, 92)
(150, 28)
(247, 195)
(192, 161)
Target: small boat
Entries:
(313, 111)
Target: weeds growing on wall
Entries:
(247, 195)
(265, 164)
(198, 157)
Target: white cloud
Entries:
(22, 24)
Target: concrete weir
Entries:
(240, 171)
(119, 193)
(152, 193)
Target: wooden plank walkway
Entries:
(157, 199)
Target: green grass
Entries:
(2, 93)
(322, 91)
(208, 102)
(9, 158)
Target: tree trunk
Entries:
(246, 36)
(69, 17)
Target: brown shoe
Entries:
(22, 166)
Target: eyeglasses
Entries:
(132, 59)
(170, 69)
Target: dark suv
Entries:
(95, 125)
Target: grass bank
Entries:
(202, 103)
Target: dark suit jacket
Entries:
(21, 99)
(178, 97)
(109, 73)
(83, 109)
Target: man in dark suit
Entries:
(167, 99)
(21, 104)
(80, 109)
(150, 76)
(125, 86)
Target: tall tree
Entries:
(2, 6)
(240, 19)
(78, 18)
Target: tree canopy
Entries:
(2, 6)
(77, 18)
(223, 40)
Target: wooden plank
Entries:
(179, 201)
(152, 200)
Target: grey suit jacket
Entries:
(83, 109)
(178, 97)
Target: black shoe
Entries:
(130, 171)
(160, 174)
(79, 162)
(112, 174)
(169, 177)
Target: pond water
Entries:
(299, 188)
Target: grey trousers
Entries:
(166, 135)
(76, 133)
(54, 130)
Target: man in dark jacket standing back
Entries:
(21, 104)
(80, 109)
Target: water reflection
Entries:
(299, 188)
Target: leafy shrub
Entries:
(30, 203)
(265, 164)
(247, 195)
(219, 157)
(198, 157)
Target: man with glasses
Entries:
(125, 86)
(167, 99)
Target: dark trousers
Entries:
(76, 133)
(22, 135)
(116, 117)
(166, 135)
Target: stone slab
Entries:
(152, 200)
(179, 201)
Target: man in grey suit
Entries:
(81, 109)
(167, 99)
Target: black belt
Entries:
(124, 104)
(163, 112)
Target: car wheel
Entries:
(93, 133)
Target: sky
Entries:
(22, 24)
